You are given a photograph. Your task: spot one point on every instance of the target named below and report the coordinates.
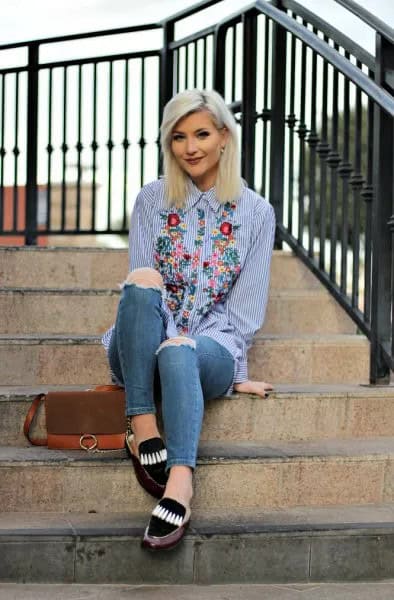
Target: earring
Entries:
(221, 150)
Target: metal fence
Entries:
(315, 114)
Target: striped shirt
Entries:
(215, 262)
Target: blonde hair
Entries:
(177, 182)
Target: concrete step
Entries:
(290, 413)
(383, 590)
(236, 475)
(105, 267)
(27, 310)
(294, 545)
(73, 360)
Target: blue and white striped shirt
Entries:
(215, 262)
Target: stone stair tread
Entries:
(334, 338)
(82, 291)
(34, 338)
(74, 291)
(207, 522)
(281, 390)
(214, 452)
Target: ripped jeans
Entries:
(191, 370)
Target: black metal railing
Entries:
(315, 114)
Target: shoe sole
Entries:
(167, 542)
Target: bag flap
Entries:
(85, 412)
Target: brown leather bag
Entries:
(88, 420)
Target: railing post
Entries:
(166, 66)
(382, 211)
(219, 59)
(249, 20)
(278, 105)
(31, 149)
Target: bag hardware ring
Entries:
(88, 436)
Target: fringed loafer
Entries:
(167, 525)
(150, 465)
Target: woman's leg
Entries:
(136, 337)
(138, 332)
(191, 370)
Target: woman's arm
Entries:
(141, 244)
(247, 301)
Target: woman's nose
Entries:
(191, 146)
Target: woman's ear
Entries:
(225, 134)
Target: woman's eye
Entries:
(203, 134)
(177, 137)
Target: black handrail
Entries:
(370, 19)
(82, 36)
(332, 32)
(376, 93)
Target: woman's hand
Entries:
(254, 387)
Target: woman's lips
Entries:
(193, 161)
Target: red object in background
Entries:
(8, 218)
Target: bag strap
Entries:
(29, 418)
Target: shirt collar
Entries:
(195, 195)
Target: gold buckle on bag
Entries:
(88, 436)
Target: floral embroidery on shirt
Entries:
(182, 269)
(198, 244)
(223, 266)
(171, 259)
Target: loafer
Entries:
(167, 526)
(149, 467)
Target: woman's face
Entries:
(196, 145)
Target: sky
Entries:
(23, 20)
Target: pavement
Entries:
(329, 591)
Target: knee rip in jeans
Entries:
(181, 340)
(146, 278)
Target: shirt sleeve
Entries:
(141, 243)
(247, 301)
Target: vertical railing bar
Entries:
(323, 150)
(277, 126)
(177, 59)
(234, 63)
(291, 121)
(265, 109)
(49, 152)
(186, 66)
(15, 210)
(357, 181)
(313, 140)
(110, 145)
(368, 195)
(79, 149)
(334, 160)
(142, 140)
(345, 170)
(94, 147)
(195, 63)
(31, 146)
(302, 131)
(64, 151)
(126, 142)
(248, 118)
(205, 62)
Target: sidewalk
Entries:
(329, 591)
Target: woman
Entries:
(200, 251)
